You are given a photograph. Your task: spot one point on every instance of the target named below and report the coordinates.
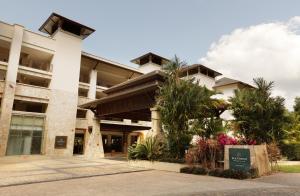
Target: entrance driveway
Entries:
(79, 177)
(34, 169)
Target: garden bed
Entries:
(157, 165)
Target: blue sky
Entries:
(241, 39)
(126, 29)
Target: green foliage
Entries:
(258, 115)
(216, 172)
(228, 173)
(291, 151)
(186, 109)
(292, 127)
(236, 174)
(152, 148)
(254, 173)
(194, 170)
(297, 105)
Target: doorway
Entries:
(78, 144)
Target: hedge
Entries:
(228, 173)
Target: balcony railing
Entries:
(34, 72)
(84, 85)
(29, 91)
(3, 65)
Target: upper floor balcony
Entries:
(1, 87)
(29, 92)
(35, 59)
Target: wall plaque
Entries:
(61, 142)
(239, 159)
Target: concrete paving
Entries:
(36, 169)
(79, 177)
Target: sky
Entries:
(241, 39)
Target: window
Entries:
(25, 135)
(27, 106)
(81, 113)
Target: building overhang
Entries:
(150, 55)
(122, 127)
(130, 100)
(214, 73)
(56, 21)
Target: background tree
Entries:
(292, 127)
(259, 116)
(297, 105)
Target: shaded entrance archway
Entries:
(134, 100)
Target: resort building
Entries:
(50, 91)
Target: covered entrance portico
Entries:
(133, 100)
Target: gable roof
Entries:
(148, 54)
(227, 81)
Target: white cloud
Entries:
(269, 50)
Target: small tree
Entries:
(259, 115)
(176, 103)
(186, 109)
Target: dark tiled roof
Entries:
(226, 81)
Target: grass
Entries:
(289, 168)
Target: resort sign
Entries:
(61, 142)
(239, 159)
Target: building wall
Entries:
(61, 97)
(226, 91)
(149, 67)
(204, 80)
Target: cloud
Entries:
(269, 50)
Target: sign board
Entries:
(61, 142)
(239, 159)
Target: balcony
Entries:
(83, 85)
(34, 72)
(83, 100)
(1, 87)
(81, 123)
(28, 93)
(3, 65)
(35, 59)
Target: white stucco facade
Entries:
(43, 80)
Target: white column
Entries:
(10, 85)
(156, 121)
(93, 84)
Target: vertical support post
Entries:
(10, 86)
(156, 121)
(93, 84)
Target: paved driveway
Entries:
(26, 170)
(80, 177)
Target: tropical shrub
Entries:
(228, 173)
(152, 148)
(274, 155)
(236, 174)
(224, 139)
(259, 116)
(204, 153)
(291, 151)
(216, 172)
(194, 170)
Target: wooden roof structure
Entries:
(129, 100)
